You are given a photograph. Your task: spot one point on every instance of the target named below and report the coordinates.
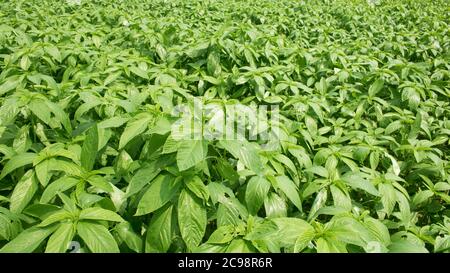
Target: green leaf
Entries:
(388, 197)
(23, 192)
(303, 240)
(41, 211)
(142, 177)
(246, 153)
(159, 232)
(60, 185)
(55, 217)
(376, 87)
(60, 115)
(441, 186)
(442, 243)
(16, 162)
(318, 203)
(161, 190)
(100, 182)
(319, 170)
(395, 166)
(129, 237)
(113, 122)
(325, 245)
(97, 238)
(222, 235)
(43, 171)
(28, 240)
(227, 171)
(257, 189)
(134, 127)
(230, 212)
(89, 149)
(39, 108)
(393, 126)
(191, 219)
(290, 229)
(356, 181)
(240, 246)
(10, 84)
(8, 227)
(139, 72)
(60, 239)
(415, 127)
(405, 246)
(190, 153)
(378, 229)
(347, 230)
(54, 52)
(275, 206)
(196, 186)
(288, 187)
(69, 203)
(421, 197)
(100, 214)
(111, 78)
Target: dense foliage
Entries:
(360, 162)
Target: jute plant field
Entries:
(224, 126)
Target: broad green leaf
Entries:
(28, 240)
(142, 177)
(39, 108)
(16, 162)
(324, 245)
(421, 197)
(60, 115)
(58, 216)
(405, 246)
(97, 237)
(60, 239)
(318, 203)
(240, 246)
(10, 84)
(442, 243)
(288, 187)
(275, 206)
(190, 153)
(388, 197)
(162, 189)
(245, 152)
(230, 212)
(160, 229)
(100, 214)
(43, 171)
(23, 192)
(196, 186)
(191, 219)
(356, 181)
(141, 73)
(89, 148)
(129, 237)
(41, 211)
(222, 235)
(134, 127)
(378, 229)
(54, 52)
(112, 122)
(257, 189)
(319, 170)
(290, 229)
(100, 182)
(376, 87)
(60, 185)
